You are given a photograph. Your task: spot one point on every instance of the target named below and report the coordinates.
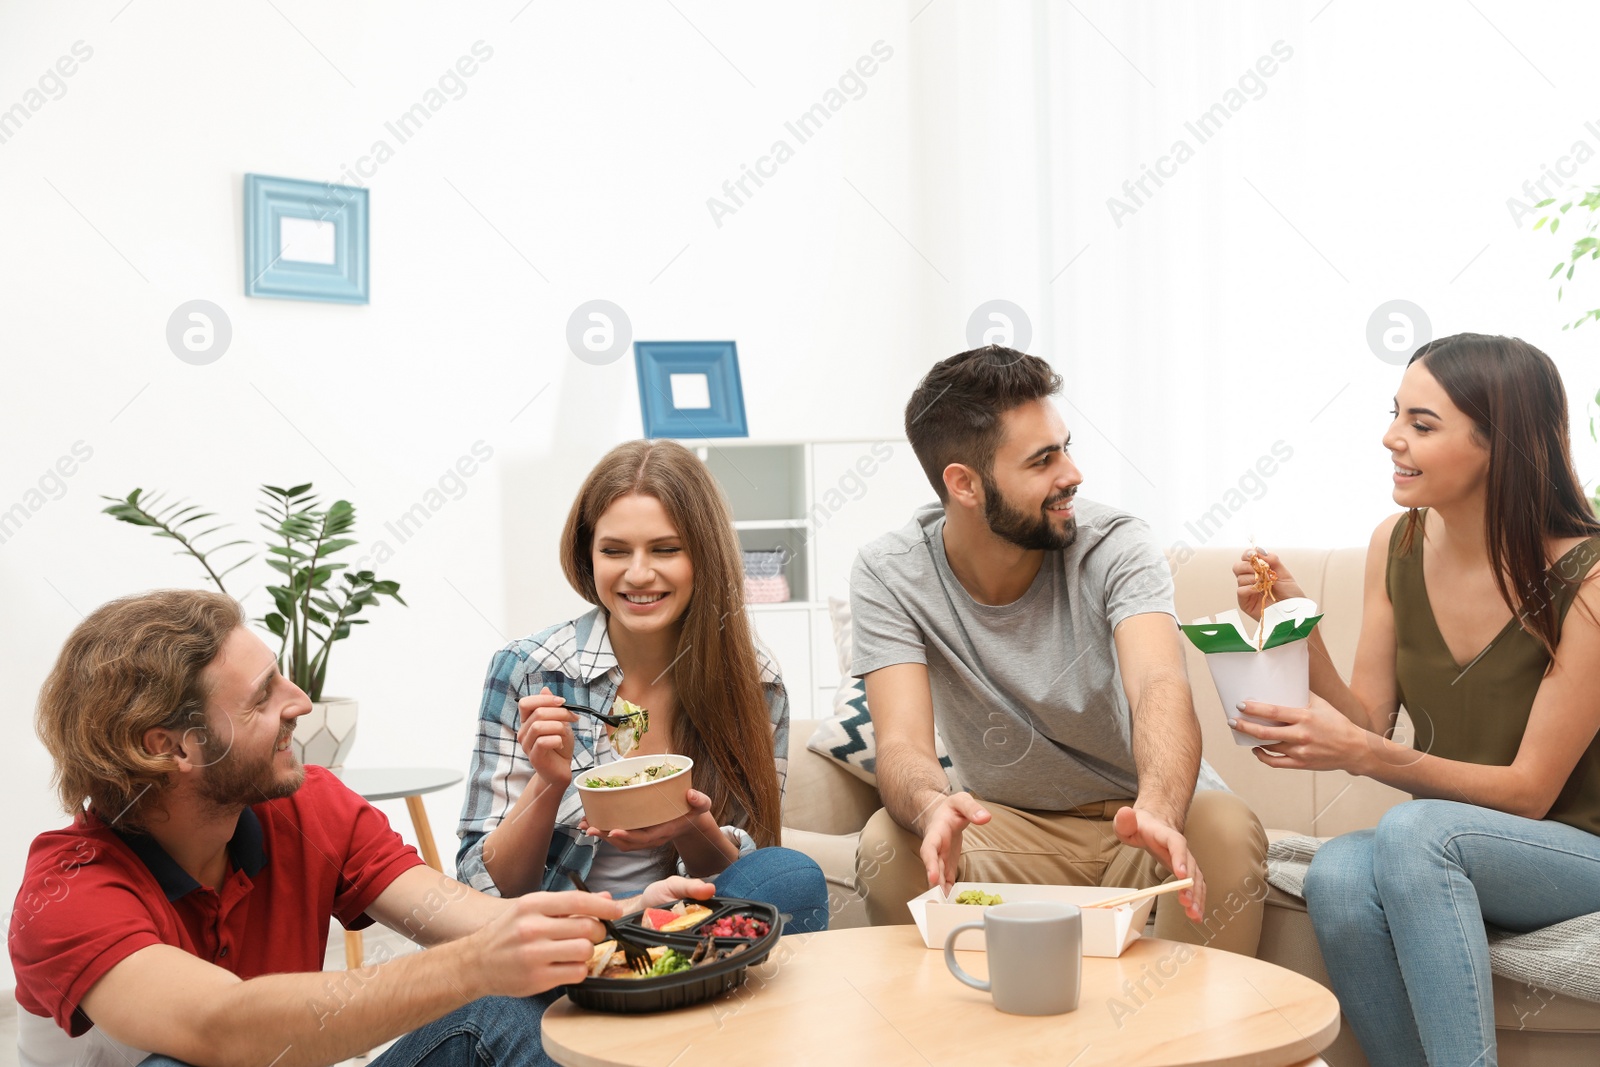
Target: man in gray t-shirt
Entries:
(1037, 630)
(1053, 733)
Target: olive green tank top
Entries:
(1477, 712)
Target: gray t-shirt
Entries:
(1026, 695)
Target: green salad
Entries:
(650, 774)
(626, 738)
(670, 963)
(978, 896)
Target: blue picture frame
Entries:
(709, 387)
(267, 271)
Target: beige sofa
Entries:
(825, 809)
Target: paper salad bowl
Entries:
(629, 807)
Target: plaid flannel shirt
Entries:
(575, 660)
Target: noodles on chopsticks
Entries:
(1265, 579)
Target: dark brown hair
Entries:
(722, 723)
(133, 665)
(954, 414)
(1513, 394)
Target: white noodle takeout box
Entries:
(1279, 673)
(1106, 931)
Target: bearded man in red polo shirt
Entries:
(184, 913)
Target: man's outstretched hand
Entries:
(1149, 831)
(941, 837)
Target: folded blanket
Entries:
(1564, 958)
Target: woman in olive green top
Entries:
(1481, 618)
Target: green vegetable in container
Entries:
(626, 738)
(649, 774)
(979, 897)
(670, 963)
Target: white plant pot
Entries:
(324, 736)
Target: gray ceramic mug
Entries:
(1035, 950)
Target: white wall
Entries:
(976, 164)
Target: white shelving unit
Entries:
(819, 501)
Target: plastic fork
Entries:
(609, 720)
(639, 961)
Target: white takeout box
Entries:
(1279, 673)
(1106, 931)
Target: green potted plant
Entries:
(311, 610)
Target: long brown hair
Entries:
(132, 666)
(722, 722)
(1513, 394)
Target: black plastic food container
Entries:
(700, 982)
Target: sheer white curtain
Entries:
(1311, 162)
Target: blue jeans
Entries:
(788, 880)
(1399, 913)
(491, 1032)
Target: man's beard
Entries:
(234, 781)
(1030, 531)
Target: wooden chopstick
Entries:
(1141, 894)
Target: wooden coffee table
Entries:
(878, 996)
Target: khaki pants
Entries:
(1081, 848)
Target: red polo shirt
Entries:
(92, 896)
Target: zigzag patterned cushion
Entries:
(848, 740)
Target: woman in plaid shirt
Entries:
(649, 541)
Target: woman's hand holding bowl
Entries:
(695, 821)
